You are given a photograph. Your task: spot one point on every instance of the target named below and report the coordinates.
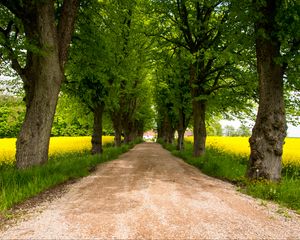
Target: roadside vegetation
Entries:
(240, 146)
(232, 167)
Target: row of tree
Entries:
(199, 59)
(74, 118)
(217, 48)
(105, 67)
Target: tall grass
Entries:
(19, 185)
(232, 167)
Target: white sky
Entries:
(293, 131)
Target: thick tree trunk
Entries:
(159, 131)
(127, 138)
(170, 134)
(180, 140)
(43, 78)
(33, 140)
(181, 127)
(43, 73)
(97, 130)
(199, 108)
(117, 125)
(168, 131)
(118, 137)
(268, 134)
(129, 131)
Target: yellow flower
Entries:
(57, 145)
(241, 146)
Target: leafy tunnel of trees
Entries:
(124, 67)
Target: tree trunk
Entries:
(181, 130)
(33, 140)
(43, 78)
(118, 137)
(180, 140)
(117, 125)
(268, 134)
(159, 130)
(97, 130)
(170, 135)
(199, 108)
(129, 131)
(43, 73)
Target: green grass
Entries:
(232, 168)
(19, 185)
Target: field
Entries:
(235, 145)
(57, 145)
(240, 146)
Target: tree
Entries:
(46, 40)
(127, 70)
(214, 128)
(172, 94)
(277, 42)
(72, 117)
(243, 131)
(204, 29)
(12, 112)
(86, 77)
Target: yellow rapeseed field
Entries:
(57, 145)
(240, 146)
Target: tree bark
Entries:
(180, 140)
(43, 81)
(118, 137)
(170, 135)
(181, 128)
(199, 108)
(130, 132)
(97, 130)
(168, 131)
(268, 134)
(117, 125)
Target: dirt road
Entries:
(148, 193)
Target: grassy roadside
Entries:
(18, 185)
(230, 167)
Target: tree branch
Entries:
(185, 28)
(65, 27)
(229, 85)
(15, 7)
(11, 54)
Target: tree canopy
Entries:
(182, 63)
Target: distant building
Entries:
(188, 133)
(149, 135)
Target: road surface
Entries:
(148, 193)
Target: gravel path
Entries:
(148, 193)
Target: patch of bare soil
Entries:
(148, 193)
